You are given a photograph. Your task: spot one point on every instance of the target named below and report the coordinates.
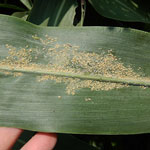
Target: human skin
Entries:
(40, 141)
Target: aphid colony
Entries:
(64, 63)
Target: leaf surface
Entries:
(124, 10)
(27, 3)
(53, 12)
(47, 106)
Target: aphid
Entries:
(59, 97)
(69, 45)
(65, 59)
(35, 37)
(88, 99)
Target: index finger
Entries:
(8, 137)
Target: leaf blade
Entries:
(121, 10)
(36, 106)
(53, 13)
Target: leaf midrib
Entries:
(127, 81)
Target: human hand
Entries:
(40, 141)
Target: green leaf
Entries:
(53, 12)
(27, 3)
(33, 100)
(83, 12)
(124, 10)
(12, 7)
(22, 15)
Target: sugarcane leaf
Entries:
(123, 10)
(11, 6)
(22, 15)
(27, 3)
(91, 80)
(53, 12)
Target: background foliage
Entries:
(117, 13)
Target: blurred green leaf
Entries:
(53, 12)
(83, 12)
(123, 10)
(28, 104)
(27, 3)
(12, 7)
(22, 15)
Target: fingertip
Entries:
(8, 137)
(41, 141)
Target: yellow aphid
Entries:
(88, 99)
(35, 37)
(64, 63)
